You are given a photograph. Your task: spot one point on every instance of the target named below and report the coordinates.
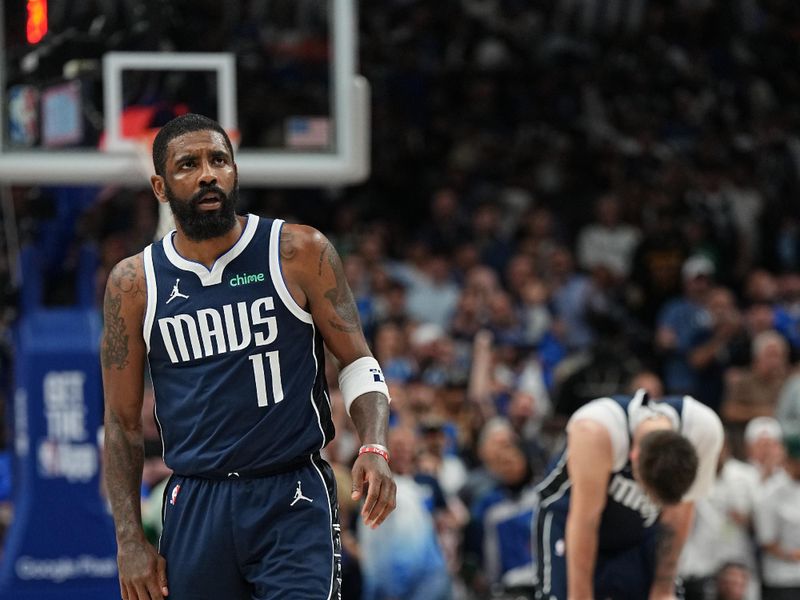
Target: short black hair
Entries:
(667, 465)
(177, 127)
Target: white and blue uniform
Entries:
(627, 534)
(243, 410)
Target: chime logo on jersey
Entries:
(246, 278)
(174, 496)
(209, 332)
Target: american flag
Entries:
(308, 132)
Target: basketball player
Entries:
(231, 314)
(616, 509)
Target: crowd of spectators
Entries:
(568, 200)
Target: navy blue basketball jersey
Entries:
(237, 366)
(629, 513)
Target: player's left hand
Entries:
(373, 478)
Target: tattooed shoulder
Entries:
(340, 296)
(288, 244)
(114, 349)
(327, 248)
(127, 277)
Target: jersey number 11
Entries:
(261, 377)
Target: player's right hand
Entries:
(372, 480)
(142, 571)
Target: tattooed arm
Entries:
(142, 573)
(315, 277)
(674, 525)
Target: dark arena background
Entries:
(537, 203)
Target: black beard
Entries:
(197, 224)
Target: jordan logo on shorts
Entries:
(298, 495)
(175, 292)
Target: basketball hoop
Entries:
(144, 154)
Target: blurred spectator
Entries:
(713, 210)
(570, 292)
(390, 348)
(758, 318)
(503, 320)
(679, 322)
(753, 392)
(733, 582)
(788, 410)
(748, 206)
(607, 241)
(472, 312)
(538, 236)
(446, 228)
(656, 275)
(495, 250)
(764, 450)
(440, 360)
(778, 531)
(719, 343)
(391, 305)
(498, 543)
(760, 287)
(521, 269)
(507, 379)
(787, 312)
(535, 314)
(525, 420)
(721, 530)
(431, 295)
(402, 558)
(438, 455)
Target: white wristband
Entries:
(359, 377)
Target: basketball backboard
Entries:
(77, 122)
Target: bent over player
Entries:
(232, 314)
(616, 509)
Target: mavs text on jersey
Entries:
(219, 414)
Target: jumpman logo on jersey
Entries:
(298, 495)
(175, 293)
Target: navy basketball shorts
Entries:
(622, 575)
(267, 538)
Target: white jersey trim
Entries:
(638, 413)
(612, 416)
(547, 559)
(702, 427)
(560, 466)
(330, 517)
(311, 394)
(277, 275)
(152, 295)
(158, 421)
(211, 276)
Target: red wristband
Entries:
(374, 449)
